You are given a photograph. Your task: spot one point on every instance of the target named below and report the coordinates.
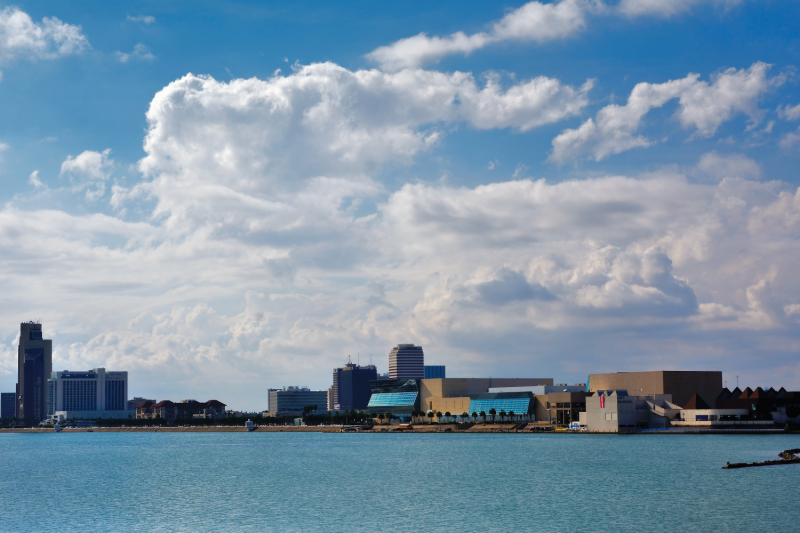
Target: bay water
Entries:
(394, 482)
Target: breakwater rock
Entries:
(788, 457)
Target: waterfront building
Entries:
(168, 410)
(520, 403)
(682, 385)
(34, 365)
(453, 394)
(610, 411)
(434, 371)
(351, 388)
(560, 407)
(399, 397)
(779, 405)
(7, 405)
(290, 401)
(132, 403)
(144, 409)
(88, 391)
(406, 361)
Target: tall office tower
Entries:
(351, 386)
(7, 405)
(93, 390)
(406, 361)
(34, 364)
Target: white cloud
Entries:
(144, 19)
(701, 106)
(22, 38)
(534, 21)
(790, 140)
(88, 169)
(789, 112)
(255, 141)
(34, 180)
(666, 8)
(729, 166)
(140, 53)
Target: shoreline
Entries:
(448, 429)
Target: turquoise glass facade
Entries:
(393, 399)
(518, 405)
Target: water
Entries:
(393, 482)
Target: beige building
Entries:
(452, 394)
(682, 385)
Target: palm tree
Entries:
(430, 415)
(464, 416)
(483, 414)
(474, 416)
(447, 414)
(502, 414)
(381, 417)
(438, 416)
(492, 412)
(511, 415)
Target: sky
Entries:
(226, 197)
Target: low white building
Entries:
(714, 418)
(615, 411)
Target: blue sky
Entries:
(465, 176)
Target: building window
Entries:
(613, 416)
(608, 416)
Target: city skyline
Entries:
(225, 200)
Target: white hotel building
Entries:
(87, 394)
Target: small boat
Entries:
(250, 425)
(57, 427)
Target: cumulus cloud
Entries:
(534, 21)
(88, 169)
(22, 38)
(323, 127)
(140, 53)
(510, 286)
(702, 106)
(729, 166)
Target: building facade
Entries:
(406, 361)
(136, 400)
(7, 405)
(351, 388)
(85, 391)
(560, 407)
(34, 365)
(454, 394)
(292, 400)
(184, 409)
(435, 372)
(682, 385)
(498, 405)
(761, 404)
(399, 397)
